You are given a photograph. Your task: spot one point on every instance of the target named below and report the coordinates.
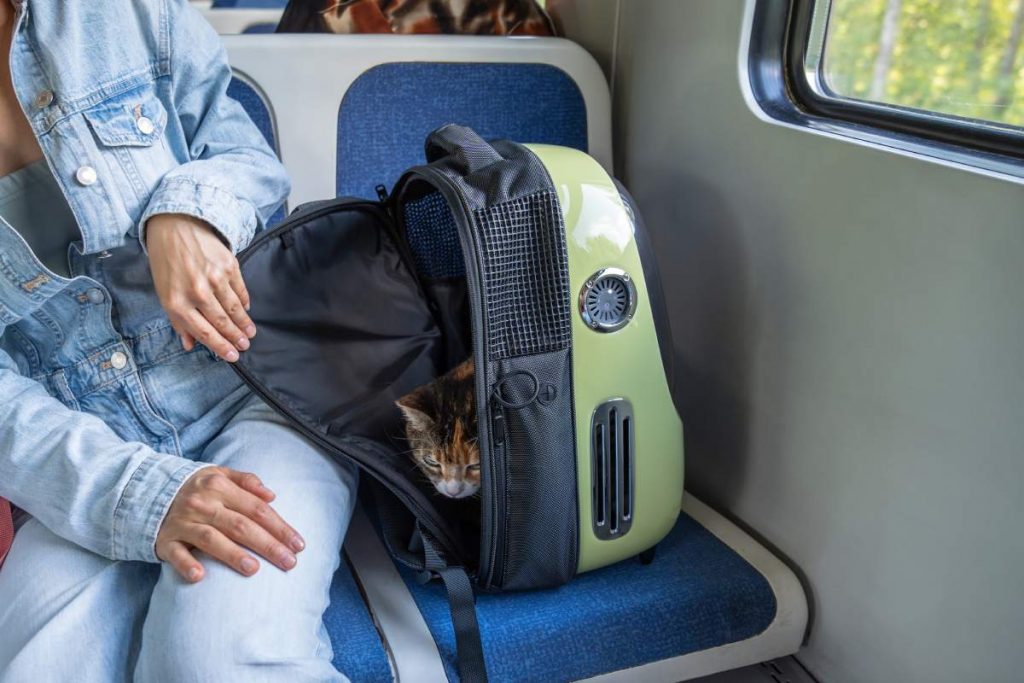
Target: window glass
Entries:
(959, 57)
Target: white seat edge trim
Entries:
(782, 637)
(404, 633)
(305, 78)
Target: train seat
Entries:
(347, 113)
(229, 21)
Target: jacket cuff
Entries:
(144, 503)
(233, 219)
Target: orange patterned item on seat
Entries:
(483, 17)
(6, 529)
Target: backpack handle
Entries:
(469, 151)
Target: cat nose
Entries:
(453, 488)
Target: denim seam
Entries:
(233, 218)
(117, 545)
(73, 105)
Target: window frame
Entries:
(784, 41)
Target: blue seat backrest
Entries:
(248, 4)
(260, 28)
(388, 111)
(256, 106)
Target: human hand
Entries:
(199, 284)
(218, 511)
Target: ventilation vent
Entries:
(612, 437)
(608, 300)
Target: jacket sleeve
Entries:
(70, 471)
(234, 180)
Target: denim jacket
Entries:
(101, 410)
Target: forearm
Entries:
(76, 476)
(234, 180)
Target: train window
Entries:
(961, 58)
(942, 80)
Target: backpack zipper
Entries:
(490, 572)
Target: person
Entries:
(170, 526)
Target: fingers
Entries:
(241, 291)
(215, 314)
(178, 556)
(251, 483)
(232, 304)
(218, 546)
(248, 533)
(262, 514)
(197, 325)
(226, 514)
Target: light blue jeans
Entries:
(67, 614)
(103, 416)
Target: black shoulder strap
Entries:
(469, 649)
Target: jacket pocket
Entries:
(129, 130)
(135, 119)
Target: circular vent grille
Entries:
(608, 300)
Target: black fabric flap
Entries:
(343, 331)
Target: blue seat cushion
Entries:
(254, 104)
(388, 111)
(697, 594)
(358, 652)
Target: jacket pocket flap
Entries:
(135, 118)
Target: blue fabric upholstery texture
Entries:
(253, 103)
(358, 652)
(697, 594)
(388, 111)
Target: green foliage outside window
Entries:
(960, 57)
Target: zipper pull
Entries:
(382, 194)
(498, 424)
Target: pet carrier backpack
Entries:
(532, 260)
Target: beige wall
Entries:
(849, 326)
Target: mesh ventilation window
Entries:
(434, 239)
(526, 276)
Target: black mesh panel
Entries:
(526, 276)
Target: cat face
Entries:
(440, 424)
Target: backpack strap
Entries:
(462, 603)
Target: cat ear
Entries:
(412, 406)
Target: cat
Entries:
(476, 17)
(440, 424)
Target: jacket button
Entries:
(118, 360)
(94, 296)
(44, 99)
(145, 125)
(86, 175)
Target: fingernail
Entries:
(242, 343)
(193, 574)
(249, 565)
(287, 560)
(298, 545)
(248, 306)
(250, 330)
(231, 356)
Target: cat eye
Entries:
(430, 461)
(473, 468)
